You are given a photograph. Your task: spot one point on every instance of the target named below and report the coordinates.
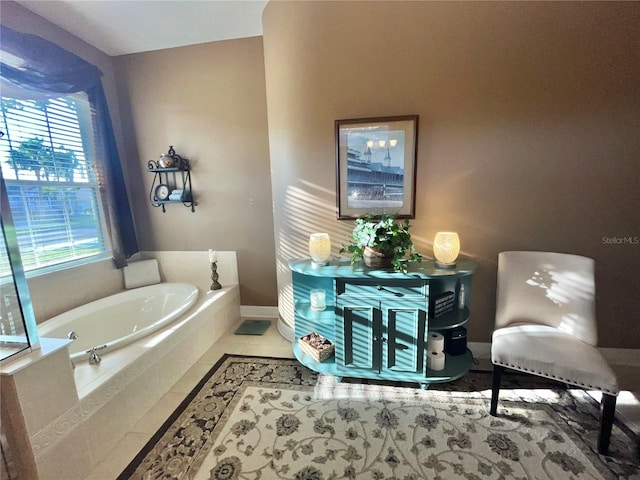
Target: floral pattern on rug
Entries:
(212, 434)
(379, 432)
(172, 456)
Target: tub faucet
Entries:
(94, 358)
(73, 336)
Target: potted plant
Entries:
(382, 243)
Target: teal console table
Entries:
(379, 319)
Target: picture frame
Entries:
(376, 166)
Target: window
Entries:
(52, 180)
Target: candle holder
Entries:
(215, 285)
(446, 248)
(319, 248)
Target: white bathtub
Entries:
(120, 319)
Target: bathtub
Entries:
(120, 319)
(90, 408)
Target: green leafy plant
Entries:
(386, 236)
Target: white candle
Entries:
(318, 300)
(213, 256)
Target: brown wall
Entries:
(208, 101)
(528, 133)
(528, 138)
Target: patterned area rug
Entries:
(265, 418)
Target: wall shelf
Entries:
(168, 181)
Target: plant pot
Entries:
(375, 259)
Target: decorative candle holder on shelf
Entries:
(214, 277)
(319, 248)
(446, 247)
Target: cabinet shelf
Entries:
(455, 367)
(328, 367)
(457, 318)
(327, 315)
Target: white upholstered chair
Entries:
(545, 325)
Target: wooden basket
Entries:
(308, 344)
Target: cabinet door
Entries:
(405, 324)
(358, 333)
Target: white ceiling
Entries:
(119, 27)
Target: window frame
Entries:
(93, 178)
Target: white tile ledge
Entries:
(48, 346)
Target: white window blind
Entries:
(52, 179)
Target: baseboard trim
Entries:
(622, 356)
(258, 311)
(481, 350)
(615, 356)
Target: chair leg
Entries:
(495, 388)
(606, 422)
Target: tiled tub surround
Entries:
(57, 292)
(67, 429)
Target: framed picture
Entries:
(376, 166)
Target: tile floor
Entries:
(269, 344)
